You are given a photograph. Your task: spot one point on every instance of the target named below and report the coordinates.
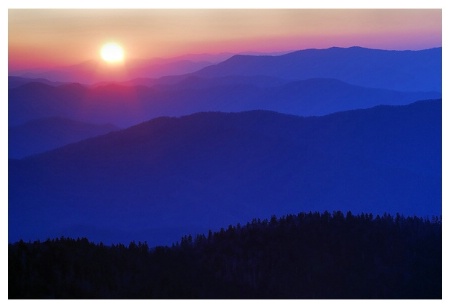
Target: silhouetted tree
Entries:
(309, 255)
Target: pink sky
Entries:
(46, 38)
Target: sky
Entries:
(39, 38)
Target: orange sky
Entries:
(46, 37)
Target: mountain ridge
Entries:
(396, 70)
(44, 134)
(125, 105)
(169, 176)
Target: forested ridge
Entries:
(305, 256)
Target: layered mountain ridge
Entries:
(171, 176)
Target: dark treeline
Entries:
(309, 255)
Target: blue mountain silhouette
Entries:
(125, 105)
(397, 70)
(171, 176)
(46, 134)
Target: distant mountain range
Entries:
(388, 69)
(125, 105)
(256, 135)
(96, 71)
(91, 72)
(50, 133)
(396, 70)
(15, 81)
(167, 177)
(306, 82)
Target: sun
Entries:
(112, 53)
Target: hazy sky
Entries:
(45, 37)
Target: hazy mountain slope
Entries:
(127, 105)
(324, 96)
(15, 81)
(97, 71)
(49, 133)
(398, 70)
(170, 176)
(195, 82)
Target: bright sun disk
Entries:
(112, 52)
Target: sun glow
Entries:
(112, 53)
